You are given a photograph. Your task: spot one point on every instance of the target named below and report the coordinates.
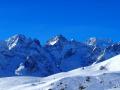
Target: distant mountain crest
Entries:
(102, 43)
(56, 39)
(58, 55)
(16, 37)
(16, 40)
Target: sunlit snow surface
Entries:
(101, 76)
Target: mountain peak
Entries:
(14, 40)
(60, 37)
(17, 36)
(93, 41)
(56, 39)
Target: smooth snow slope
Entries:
(101, 76)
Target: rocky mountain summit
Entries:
(20, 55)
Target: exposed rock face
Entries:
(20, 55)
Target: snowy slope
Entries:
(101, 76)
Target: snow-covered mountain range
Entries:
(20, 55)
(60, 64)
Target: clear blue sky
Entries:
(43, 19)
